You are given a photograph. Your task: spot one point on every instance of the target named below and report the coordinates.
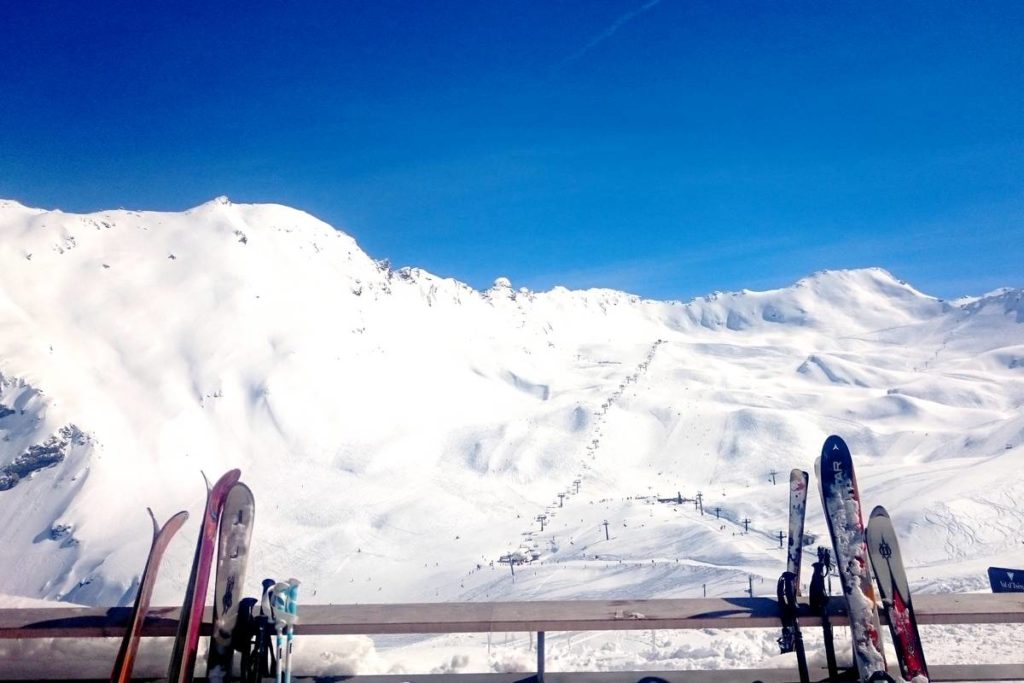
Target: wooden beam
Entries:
(551, 616)
(940, 674)
(88, 622)
(56, 670)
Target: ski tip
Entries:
(241, 489)
(834, 445)
(879, 511)
(156, 524)
(179, 517)
(227, 480)
(232, 475)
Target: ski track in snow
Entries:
(402, 432)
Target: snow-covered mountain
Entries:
(403, 431)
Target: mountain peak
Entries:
(856, 277)
(14, 205)
(862, 298)
(214, 204)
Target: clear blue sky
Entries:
(667, 148)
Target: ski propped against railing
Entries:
(797, 512)
(186, 643)
(125, 661)
(841, 500)
(236, 525)
(894, 590)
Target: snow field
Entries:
(402, 432)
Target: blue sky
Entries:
(668, 148)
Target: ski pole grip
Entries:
(293, 600)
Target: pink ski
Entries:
(125, 661)
(186, 643)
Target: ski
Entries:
(791, 638)
(797, 511)
(891, 576)
(236, 521)
(125, 660)
(841, 501)
(186, 642)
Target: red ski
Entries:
(125, 661)
(186, 643)
(895, 592)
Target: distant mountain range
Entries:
(403, 431)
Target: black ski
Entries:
(841, 501)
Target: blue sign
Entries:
(1006, 580)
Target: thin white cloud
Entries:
(608, 32)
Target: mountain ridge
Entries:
(407, 405)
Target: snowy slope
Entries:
(402, 432)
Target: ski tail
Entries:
(125, 661)
(894, 590)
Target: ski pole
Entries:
(790, 587)
(279, 612)
(792, 639)
(819, 605)
(242, 638)
(293, 616)
(263, 653)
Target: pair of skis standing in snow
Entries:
(230, 508)
(857, 550)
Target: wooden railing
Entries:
(538, 617)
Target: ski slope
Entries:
(403, 432)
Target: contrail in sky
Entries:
(608, 32)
